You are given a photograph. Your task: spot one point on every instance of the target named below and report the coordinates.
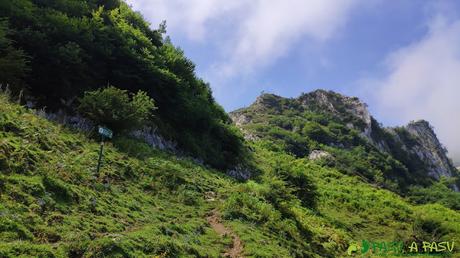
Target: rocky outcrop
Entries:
(240, 118)
(339, 105)
(239, 172)
(146, 134)
(422, 141)
(267, 100)
(425, 144)
(151, 137)
(319, 154)
(415, 143)
(351, 110)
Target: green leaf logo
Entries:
(366, 246)
(352, 248)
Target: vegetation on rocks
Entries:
(149, 203)
(115, 109)
(325, 122)
(320, 174)
(54, 51)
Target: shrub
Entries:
(114, 108)
(244, 206)
(13, 62)
(317, 132)
(15, 230)
(59, 188)
(439, 192)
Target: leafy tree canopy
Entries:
(78, 45)
(114, 108)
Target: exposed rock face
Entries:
(428, 148)
(240, 118)
(147, 134)
(328, 101)
(155, 140)
(76, 122)
(425, 143)
(320, 100)
(240, 173)
(319, 154)
(268, 100)
(416, 140)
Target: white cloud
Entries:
(260, 31)
(424, 82)
(190, 17)
(273, 26)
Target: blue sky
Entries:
(400, 57)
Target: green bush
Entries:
(13, 63)
(13, 230)
(317, 132)
(25, 249)
(439, 192)
(114, 108)
(58, 188)
(244, 206)
(79, 46)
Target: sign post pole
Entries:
(104, 132)
(100, 155)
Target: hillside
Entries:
(395, 158)
(312, 176)
(51, 52)
(146, 202)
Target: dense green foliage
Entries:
(287, 126)
(113, 108)
(148, 203)
(298, 132)
(415, 165)
(74, 46)
(436, 193)
(53, 205)
(13, 64)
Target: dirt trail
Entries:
(235, 251)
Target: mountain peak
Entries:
(420, 123)
(426, 145)
(268, 99)
(336, 104)
(415, 145)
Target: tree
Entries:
(13, 64)
(116, 109)
(79, 45)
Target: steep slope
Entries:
(142, 203)
(330, 121)
(323, 174)
(424, 143)
(57, 50)
(148, 203)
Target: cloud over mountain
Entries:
(423, 81)
(255, 33)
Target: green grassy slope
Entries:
(148, 203)
(302, 125)
(350, 210)
(53, 203)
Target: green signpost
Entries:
(107, 133)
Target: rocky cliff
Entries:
(425, 144)
(415, 145)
